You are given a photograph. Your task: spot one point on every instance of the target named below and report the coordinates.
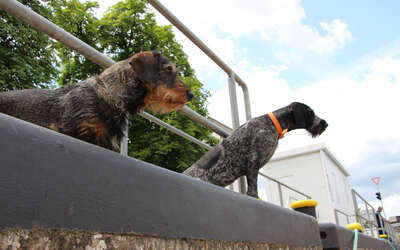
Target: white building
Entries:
(315, 171)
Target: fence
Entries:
(289, 193)
(342, 218)
(365, 215)
(30, 17)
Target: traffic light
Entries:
(378, 195)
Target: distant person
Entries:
(380, 221)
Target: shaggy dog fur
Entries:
(95, 109)
(250, 147)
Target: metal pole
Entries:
(37, 21)
(52, 30)
(336, 216)
(379, 191)
(283, 184)
(246, 99)
(124, 141)
(280, 194)
(369, 217)
(233, 101)
(235, 120)
(203, 121)
(353, 194)
(175, 130)
(189, 34)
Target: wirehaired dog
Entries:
(95, 109)
(251, 145)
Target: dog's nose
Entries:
(323, 123)
(189, 95)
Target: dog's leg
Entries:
(251, 177)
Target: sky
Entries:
(342, 58)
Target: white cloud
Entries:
(279, 21)
(387, 66)
(235, 17)
(204, 66)
(358, 111)
(307, 37)
(219, 24)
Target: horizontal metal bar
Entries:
(189, 34)
(203, 121)
(175, 130)
(359, 196)
(37, 21)
(283, 184)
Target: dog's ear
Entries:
(146, 66)
(298, 113)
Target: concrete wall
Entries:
(49, 180)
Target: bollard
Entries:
(354, 226)
(383, 236)
(305, 206)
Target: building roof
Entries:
(308, 150)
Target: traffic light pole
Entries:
(380, 196)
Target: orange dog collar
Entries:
(277, 125)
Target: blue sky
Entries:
(340, 57)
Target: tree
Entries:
(79, 20)
(26, 55)
(126, 28)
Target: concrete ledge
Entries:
(37, 238)
(49, 180)
(337, 237)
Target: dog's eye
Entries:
(168, 68)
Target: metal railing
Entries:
(280, 191)
(339, 214)
(52, 30)
(365, 215)
(35, 20)
(232, 77)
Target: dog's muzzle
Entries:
(318, 127)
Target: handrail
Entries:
(283, 184)
(188, 112)
(232, 76)
(189, 34)
(175, 130)
(337, 211)
(371, 221)
(52, 30)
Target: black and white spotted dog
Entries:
(251, 145)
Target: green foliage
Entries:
(126, 28)
(26, 55)
(78, 19)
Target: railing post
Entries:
(124, 141)
(246, 99)
(235, 120)
(369, 218)
(336, 216)
(353, 195)
(280, 194)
